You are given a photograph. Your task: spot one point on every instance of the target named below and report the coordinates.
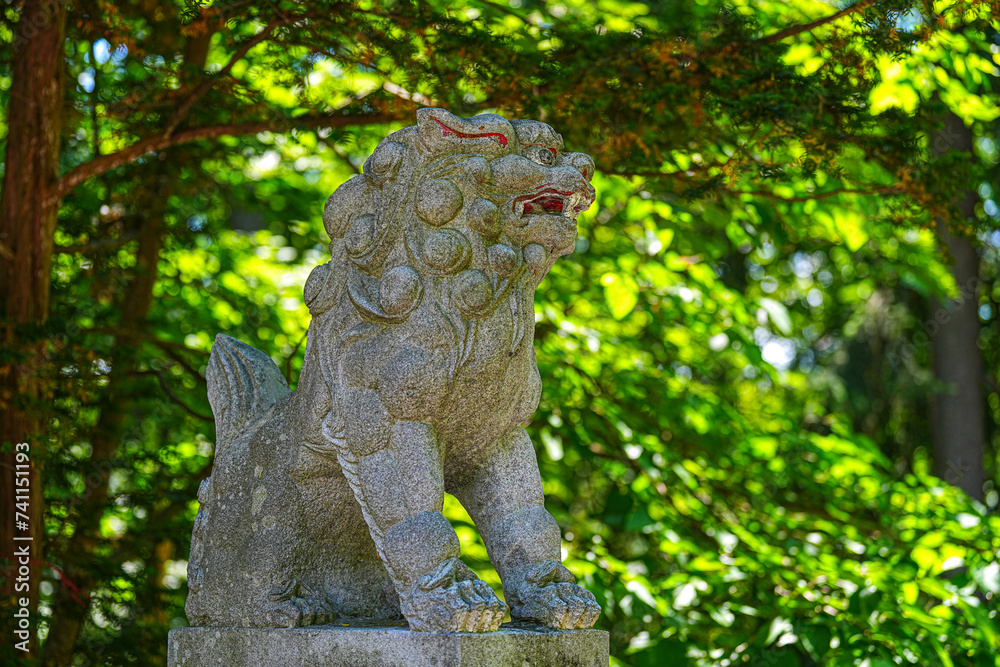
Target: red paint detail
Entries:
(78, 595)
(549, 193)
(446, 131)
(548, 205)
(550, 200)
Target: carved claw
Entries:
(550, 598)
(294, 605)
(452, 599)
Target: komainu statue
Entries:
(419, 372)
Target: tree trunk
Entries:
(959, 413)
(27, 226)
(68, 617)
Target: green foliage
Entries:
(741, 517)
(734, 431)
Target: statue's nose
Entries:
(582, 162)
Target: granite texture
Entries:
(419, 371)
(332, 646)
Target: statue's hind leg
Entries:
(395, 471)
(504, 497)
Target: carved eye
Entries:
(541, 155)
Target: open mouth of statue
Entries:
(550, 205)
(551, 200)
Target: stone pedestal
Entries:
(383, 645)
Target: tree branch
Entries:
(404, 94)
(180, 361)
(159, 342)
(101, 244)
(888, 190)
(806, 27)
(174, 397)
(162, 140)
(208, 83)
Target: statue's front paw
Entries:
(549, 597)
(294, 605)
(453, 599)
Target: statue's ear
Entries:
(487, 134)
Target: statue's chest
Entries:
(497, 350)
(498, 384)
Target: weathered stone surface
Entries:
(513, 645)
(420, 368)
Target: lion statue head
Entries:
(476, 201)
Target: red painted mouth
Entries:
(552, 201)
(543, 205)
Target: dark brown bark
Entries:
(68, 615)
(27, 226)
(32, 192)
(162, 140)
(812, 25)
(959, 413)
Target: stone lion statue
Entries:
(419, 372)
